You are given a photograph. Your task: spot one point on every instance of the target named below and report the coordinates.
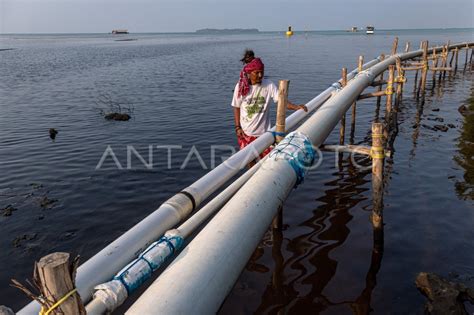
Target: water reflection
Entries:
(465, 156)
(311, 257)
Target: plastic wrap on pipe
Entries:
(113, 293)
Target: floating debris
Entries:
(117, 116)
(435, 110)
(52, 133)
(25, 237)
(36, 185)
(8, 210)
(451, 126)
(46, 202)
(119, 111)
(442, 128)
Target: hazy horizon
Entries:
(360, 28)
(184, 16)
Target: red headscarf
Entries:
(255, 64)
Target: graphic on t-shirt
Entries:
(255, 106)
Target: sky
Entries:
(101, 16)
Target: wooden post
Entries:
(467, 53)
(360, 63)
(280, 128)
(446, 60)
(55, 274)
(435, 65)
(407, 47)
(382, 57)
(378, 157)
(456, 52)
(342, 130)
(400, 79)
(452, 58)
(394, 46)
(277, 222)
(281, 108)
(353, 115)
(424, 72)
(389, 89)
(443, 62)
(416, 84)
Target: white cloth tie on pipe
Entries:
(111, 294)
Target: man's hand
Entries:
(303, 107)
(292, 106)
(239, 132)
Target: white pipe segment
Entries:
(106, 263)
(99, 306)
(200, 278)
(203, 274)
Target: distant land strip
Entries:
(227, 30)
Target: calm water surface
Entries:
(180, 86)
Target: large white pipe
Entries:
(212, 262)
(98, 305)
(106, 263)
(203, 274)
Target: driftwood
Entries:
(445, 297)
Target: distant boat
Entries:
(353, 29)
(119, 31)
(289, 32)
(370, 29)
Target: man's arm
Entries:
(238, 128)
(292, 106)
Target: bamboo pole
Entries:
(378, 83)
(413, 68)
(446, 58)
(342, 130)
(467, 55)
(353, 114)
(346, 148)
(443, 62)
(407, 47)
(452, 57)
(377, 175)
(281, 108)
(372, 94)
(422, 85)
(415, 84)
(400, 79)
(379, 99)
(456, 51)
(389, 89)
(434, 68)
(472, 53)
(394, 46)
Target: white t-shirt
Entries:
(254, 107)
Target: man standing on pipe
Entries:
(251, 100)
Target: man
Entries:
(251, 100)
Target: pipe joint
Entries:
(298, 151)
